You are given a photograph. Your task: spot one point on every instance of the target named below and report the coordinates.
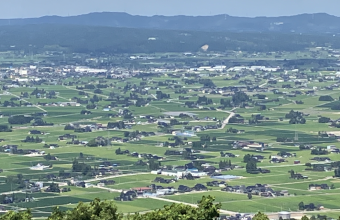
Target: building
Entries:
(196, 173)
(184, 134)
(284, 215)
(39, 166)
(318, 187)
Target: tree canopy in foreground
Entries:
(107, 210)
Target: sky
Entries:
(244, 8)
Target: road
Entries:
(26, 101)
(105, 96)
(267, 82)
(193, 205)
(226, 121)
(113, 176)
(166, 200)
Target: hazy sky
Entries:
(247, 8)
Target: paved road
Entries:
(105, 96)
(267, 82)
(113, 176)
(193, 205)
(26, 101)
(226, 121)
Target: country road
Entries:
(26, 101)
(114, 176)
(193, 205)
(226, 121)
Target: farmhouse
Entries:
(321, 159)
(257, 189)
(126, 196)
(318, 187)
(35, 132)
(39, 166)
(66, 137)
(298, 176)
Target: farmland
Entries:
(99, 135)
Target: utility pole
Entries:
(296, 138)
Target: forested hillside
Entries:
(125, 40)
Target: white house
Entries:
(39, 166)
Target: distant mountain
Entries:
(305, 23)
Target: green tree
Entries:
(92, 143)
(308, 164)
(54, 187)
(20, 177)
(154, 165)
(96, 210)
(206, 210)
(189, 176)
(251, 166)
(301, 206)
(118, 151)
(260, 216)
(11, 215)
(57, 214)
(304, 218)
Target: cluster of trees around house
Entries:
(5, 128)
(225, 163)
(82, 168)
(121, 152)
(40, 122)
(237, 99)
(85, 112)
(29, 139)
(98, 142)
(295, 117)
(119, 125)
(207, 138)
(337, 172)
(19, 119)
(49, 157)
(308, 207)
(18, 181)
(319, 151)
(22, 119)
(201, 100)
(324, 120)
(199, 144)
(251, 166)
(232, 130)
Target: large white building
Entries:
(84, 69)
(39, 166)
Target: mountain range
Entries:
(320, 23)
